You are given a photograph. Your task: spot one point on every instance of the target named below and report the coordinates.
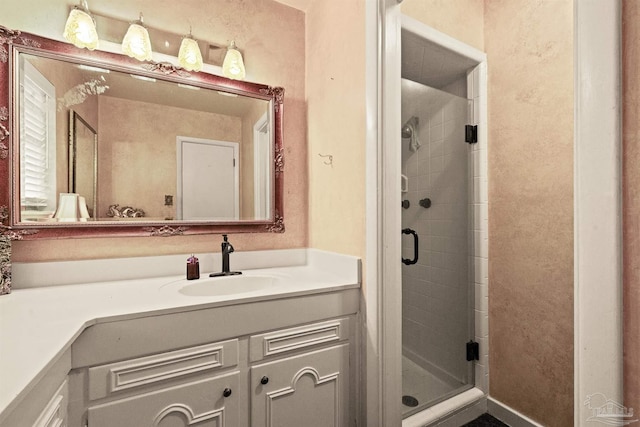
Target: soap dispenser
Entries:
(193, 268)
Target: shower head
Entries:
(407, 131)
(410, 127)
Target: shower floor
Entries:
(424, 386)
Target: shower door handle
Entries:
(415, 247)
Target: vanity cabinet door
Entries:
(311, 390)
(205, 403)
(55, 413)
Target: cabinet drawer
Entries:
(115, 377)
(200, 403)
(299, 338)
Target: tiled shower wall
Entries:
(437, 303)
(479, 257)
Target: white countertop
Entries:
(38, 324)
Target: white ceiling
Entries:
(302, 5)
(430, 64)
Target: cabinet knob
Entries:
(226, 392)
(264, 380)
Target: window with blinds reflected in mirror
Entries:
(37, 141)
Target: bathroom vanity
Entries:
(281, 350)
(131, 342)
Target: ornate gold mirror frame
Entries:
(13, 42)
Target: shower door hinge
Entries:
(471, 134)
(473, 351)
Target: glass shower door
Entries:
(437, 205)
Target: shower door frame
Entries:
(422, 343)
(479, 190)
(382, 300)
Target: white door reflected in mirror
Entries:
(201, 163)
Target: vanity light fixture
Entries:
(189, 56)
(136, 43)
(80, 28)
(233, 65)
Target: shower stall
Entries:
(441, 223)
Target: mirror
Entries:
(151, 148)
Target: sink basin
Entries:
(229, 285)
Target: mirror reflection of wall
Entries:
(137, 121)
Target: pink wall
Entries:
(337, 124)
(529, 46)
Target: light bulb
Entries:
(189, 56)
(80, 29)
(136, 43)
(233, 65)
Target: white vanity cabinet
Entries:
(45, 402)
(294, 375)
(42, 409)
(157, 395)
(205, 403)
(140, 352)
(55, 413)
(311, 390)
(308, 384)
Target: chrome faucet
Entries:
(227, 249)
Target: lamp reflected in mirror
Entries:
(72, 207)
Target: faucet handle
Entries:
(226, 245)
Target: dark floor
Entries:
(486, 420)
